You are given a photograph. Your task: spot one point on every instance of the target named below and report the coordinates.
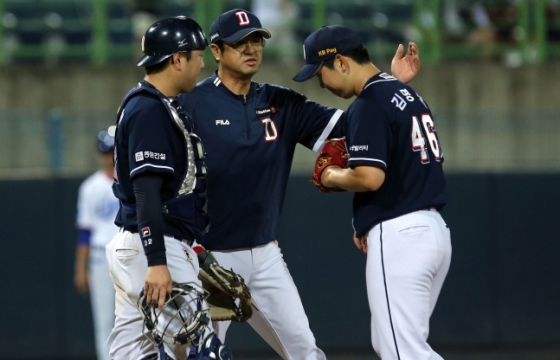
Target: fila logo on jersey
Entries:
(266, 111)
(146, 232)
(358, 148)
(222, 122)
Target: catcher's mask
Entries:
(181, 320)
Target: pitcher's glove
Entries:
(224, 287)
(334, 153)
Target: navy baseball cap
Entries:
(234, 25)
(106, 140)
(323, 45)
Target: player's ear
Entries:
(216, 52)
(340, 62)
(176, 60)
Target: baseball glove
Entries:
(333, 153)
(225, 288)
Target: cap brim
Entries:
(245, 32)
(148, 60)
(307, 72)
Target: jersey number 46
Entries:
(419, 138)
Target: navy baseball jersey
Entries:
(250, 142)
(148, 139)
(391, 127)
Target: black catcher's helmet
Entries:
(168, 36)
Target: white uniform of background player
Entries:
(97, 208)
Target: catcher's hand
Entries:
(224, 287)
(333, 153)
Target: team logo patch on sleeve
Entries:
(358, 148)
(146, 231)
(142, 155)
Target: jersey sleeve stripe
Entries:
(151, 165)
(321, 140)
(368, 159)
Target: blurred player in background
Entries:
(250, 131)
(395, 170)
(97, 208)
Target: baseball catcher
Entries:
(229, 298)
(334, 153)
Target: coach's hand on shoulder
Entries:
(158, 285)
(405, 68)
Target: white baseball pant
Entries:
(279, 317)
(102, 297)
(407, 261)
(128, 267)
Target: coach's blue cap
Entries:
(106, 140)
(323, 45)
(234, 25)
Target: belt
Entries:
(189, 242)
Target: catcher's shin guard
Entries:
(211, 349)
